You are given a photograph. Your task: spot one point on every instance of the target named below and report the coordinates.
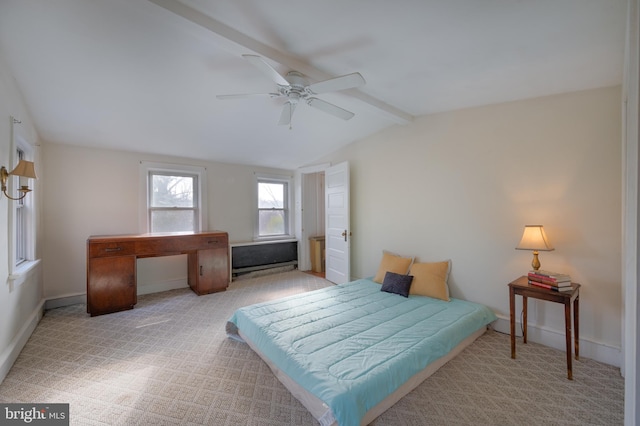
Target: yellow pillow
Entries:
(392, 263)
(430, 279)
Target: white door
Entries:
(337, 229)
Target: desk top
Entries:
(125, 237)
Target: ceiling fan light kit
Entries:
(295, 87)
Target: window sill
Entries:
(22, 272)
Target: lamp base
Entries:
(535, 263)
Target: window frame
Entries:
(287, 206)
(200, 200)
(22, 213)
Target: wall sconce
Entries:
(534, 238)
(23, 169)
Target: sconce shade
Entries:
(24, 169)
(534, 238)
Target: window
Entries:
(273, 207)
(173, 197)
(172, 204)
(22, 215)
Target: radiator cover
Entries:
(248, 257)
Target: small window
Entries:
(273, 208)
(174, 198)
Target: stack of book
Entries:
(550, 280)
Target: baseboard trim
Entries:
(81, 298)
(157, 287)
(10, 354)
(556, 339)
(71, 299)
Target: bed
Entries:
(350, 351)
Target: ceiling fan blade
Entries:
(267, 69)
(330, 108)
(348, 81)
(287, 113)
(247, 95)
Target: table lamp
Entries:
(534, 238)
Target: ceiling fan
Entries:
(295, 88)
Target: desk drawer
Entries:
(212, 241)
(111, 249)
(178, 244)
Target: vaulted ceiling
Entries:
(143, 75)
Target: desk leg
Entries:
(512, 322)
(524, 318)
(567, 322)
(576, 325)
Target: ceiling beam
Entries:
(228, 35)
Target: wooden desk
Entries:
(522, 287)
(111, 265)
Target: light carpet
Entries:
(169, 362)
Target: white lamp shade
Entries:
(25, 169)
(534, 238)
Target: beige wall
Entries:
(95, 191)
(462, 185)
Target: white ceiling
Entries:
(142, 75)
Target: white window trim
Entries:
(18, 274)
(148, 166)
(289, 231)
(23, 271)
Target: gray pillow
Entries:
(397, 283)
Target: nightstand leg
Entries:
(512, 320)
(567, 321)
(524, 318)
(576, 325)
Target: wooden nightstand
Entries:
(524, 289)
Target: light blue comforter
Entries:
(351, 345)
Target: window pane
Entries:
(271, 222)
(21, 234)
(172, 221)
(271, 195)
(21, 220)
(172, 191)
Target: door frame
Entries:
(304, 257)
